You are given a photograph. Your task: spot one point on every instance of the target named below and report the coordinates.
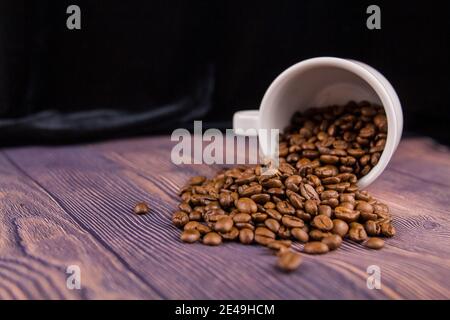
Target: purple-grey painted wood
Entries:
(73, 205)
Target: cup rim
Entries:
(359, 69)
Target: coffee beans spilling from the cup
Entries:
(312, 196)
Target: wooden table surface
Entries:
(71, 205)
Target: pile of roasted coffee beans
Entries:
(312, 197)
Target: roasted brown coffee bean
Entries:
(333, 242)
(226, 199)
(212, 239)
(185, 207)
(259, 217)
(308, 192)
(329, 194)
(246, 225)
(284, 207)
(195, 215)
(340, 227)
(274, 214)
(264, 241)
(252, 190)
(284, 232)
(315, 247)
(265, 232)
(272, 183)
(387, 229)
(296, 200)
(318, 235)
(300, 234)
(346, 214)
(374, 243)
(190, 236)
(246, 205)
(325, 210)
(303, 215)
(179, 219)
(372, 228)
(231, 235)
(292, 183)
(279, 244)
(141, 208)
(260, 198)
(242, 217)
(191, 225)
(322, 222)
(292, 221)
(310, 207)
(224, 224)
(289, 261)
(196, 180)
(246, 236)
(272, 224)
(357, 233)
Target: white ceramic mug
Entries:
(322, 82)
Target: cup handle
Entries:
(246, 123)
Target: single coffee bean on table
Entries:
(141, 208)
(312, 197)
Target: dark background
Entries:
(140, 67)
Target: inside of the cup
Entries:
(318, 86)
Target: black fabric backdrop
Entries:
(140, 67)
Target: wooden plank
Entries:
(39, 240)
(98, 185)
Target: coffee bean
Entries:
(333, 242)
(279, 244)
(346, 214)
(259, 217)
(260, 198)
(191, 225)
(212, 239)
(141, 208)
(274, 214)
(246, 205)
(272, 224)
(289, 261)
(315, 247)
(318, 235)
(322, 222)
(372, 228)
(357, 233)
(195, 215)
(300, 234)
(265, 232)
(340, 227)
(242, 217)
(180, 218)
(374, 243)
(242, 225)
(296, 200)
(231, 235)
(252, 190)
(387, 229)
(325, 210)
(246, 236)
(262, 240)
(224, 224)
(190, 236)
(285, 208)
(311, 207)
(196, 180)
(292, 221)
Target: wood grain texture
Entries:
(73, 205)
